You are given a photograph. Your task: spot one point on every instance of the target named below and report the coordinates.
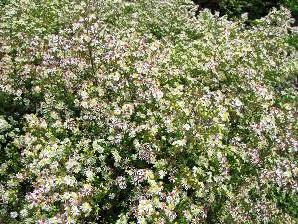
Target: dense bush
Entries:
(140, 112)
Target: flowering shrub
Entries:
(141, 112)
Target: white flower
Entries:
(84, 95)
(121, 182)
(116, 156)
(90, 174)
(86, 208)
(13, 215)
(70, 180)
(122, 219)
(179, 142)
(96, 146)
(161, 173)
(4, 125)
(237, 103)
(37, 89)
(145, 208)
(186, 127)
(24, 212)
(157, 94)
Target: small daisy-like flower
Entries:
(86, 207)
(13, 215)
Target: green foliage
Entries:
(255, 8)
(293, 6)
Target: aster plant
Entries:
(144, 112)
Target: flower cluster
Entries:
(144, 112)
